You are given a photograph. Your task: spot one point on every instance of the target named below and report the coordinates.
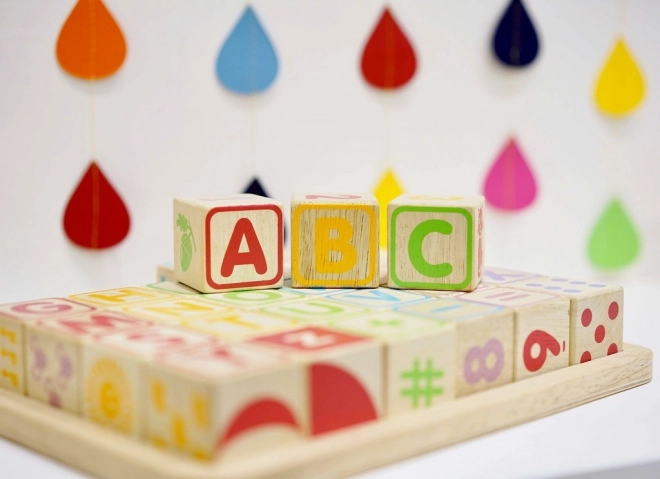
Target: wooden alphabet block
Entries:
(165, 272)
(54, 349)
(596, 314)
(334, 241)
(13, 318)
(225, 401)
(176, 309)
(239, 325)
(379, 298)
(541, 327)
(255, 299)
(435, 242)
(484, 341)
(420, 355)
(120, 297)
(174, 287)
(231, 243)
(497, 276)
(344, 374)
(314, 310)
(113, 380)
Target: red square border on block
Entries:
(280, 246)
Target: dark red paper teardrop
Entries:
(388, 60)
(96, 216)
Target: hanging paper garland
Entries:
(247, 62)
(614, 242)
(387, 188)
(255, 188)
(515, 42)
(388, 60)
(510, 183)
(620, 86)
(95, 216)
(91, 46)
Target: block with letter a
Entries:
(230, 243)
(334, 241)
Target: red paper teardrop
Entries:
(96, 216)
(388, 60)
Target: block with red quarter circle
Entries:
(225, 400)
(54, 348)
(229, 243)
(13, 318)
(344, 374)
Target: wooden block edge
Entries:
(83, 445)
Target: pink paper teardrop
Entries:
(510, 184)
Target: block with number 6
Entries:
(230, 243)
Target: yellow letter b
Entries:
(333, 235)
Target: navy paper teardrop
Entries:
(515, 42)
(256, 189)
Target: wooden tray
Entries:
(104, 453)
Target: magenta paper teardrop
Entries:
(510, 184)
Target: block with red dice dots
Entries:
(541, 326)
(54, 348)
(596, 314)
(225, 400)
(114, 371)
(344, 374)
(13, 318)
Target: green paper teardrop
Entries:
(614, 242)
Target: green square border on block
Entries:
(392, 247)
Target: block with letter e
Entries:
(229, 243)
(334, 241)
(435, 242)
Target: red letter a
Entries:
(254, 255)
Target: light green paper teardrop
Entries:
(614, 242)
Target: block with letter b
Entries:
(334, 241)
(435, 242)
(230, 243)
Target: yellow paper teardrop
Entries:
(386, 190)
(620, 86)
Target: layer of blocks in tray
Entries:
(240, 364)
(227, 374)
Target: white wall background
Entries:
(165, 127)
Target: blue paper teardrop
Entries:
(247, 62)
(256, 189)
(515, 42)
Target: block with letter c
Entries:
(435, 242)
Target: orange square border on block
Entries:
(280, 246)
(295, 251)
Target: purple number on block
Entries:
(479, 355)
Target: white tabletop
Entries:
(613, 432)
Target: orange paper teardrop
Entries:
(91, 45)
(96, 216)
